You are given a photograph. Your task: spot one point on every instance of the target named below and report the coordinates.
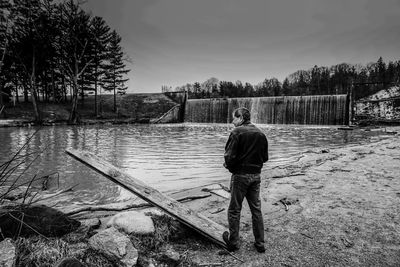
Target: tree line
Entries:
(365, 79)
(51, 50)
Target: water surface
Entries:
(169, 157)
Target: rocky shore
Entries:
(333, 207)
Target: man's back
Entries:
(246, 149)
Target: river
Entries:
(169, 157)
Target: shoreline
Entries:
(5, 123)
(342, 208)
(333, 206)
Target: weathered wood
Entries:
(184, 214)
(128, 207)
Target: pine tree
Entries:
(74, 47)
(115, 70)
(286, 87)
(101, 34)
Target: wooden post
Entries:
(184, 214)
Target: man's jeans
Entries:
(245, 185)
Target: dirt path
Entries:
(343, 210)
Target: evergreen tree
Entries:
(115, 70)
(381, 71)
(74, 48)
(101, 34)
(196, 90)
(286, 90)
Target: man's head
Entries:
(240, 116)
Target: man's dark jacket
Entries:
(246, 150)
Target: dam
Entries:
(313, 109)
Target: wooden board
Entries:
(217, 189)
(221, 193)
(184, 214)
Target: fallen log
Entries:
(184, 214)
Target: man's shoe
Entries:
(230, 247)
(259, 249)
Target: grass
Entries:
(46, 252)
(8, 169)
(39, 251)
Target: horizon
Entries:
(172, 43)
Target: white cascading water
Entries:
(315, 109)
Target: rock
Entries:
(154, 212)
(144, 261)
(86, 230)
(37, 219)
(91, 223)
(170, 257)
(115, 246)
(132, 222)
(8, 253)
(69, 262)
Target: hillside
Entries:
(132, 107)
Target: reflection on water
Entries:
(168, 157)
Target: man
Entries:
(245, 153)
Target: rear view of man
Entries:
(245, 153)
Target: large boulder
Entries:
(115, 246)
(132, 222)
(7, 253)
(27, 220)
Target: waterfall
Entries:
(315, 109)
(206, 110)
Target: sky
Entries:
(175, 42)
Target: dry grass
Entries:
(166, 229)
(38, 251)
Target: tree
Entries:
(315, 80)
(74, 47)
(101, 37)
(286, 89)
(248, 90)
(5, 9)
(208, 86)
(115, 69)
(28, 44)
(269, 87)
(196, 90)
(381, 69)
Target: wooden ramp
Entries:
(184, 214)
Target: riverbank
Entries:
(131, 108)
(333, 206)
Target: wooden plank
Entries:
(184, 214)
(217, 189)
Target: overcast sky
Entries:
(174, 42)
